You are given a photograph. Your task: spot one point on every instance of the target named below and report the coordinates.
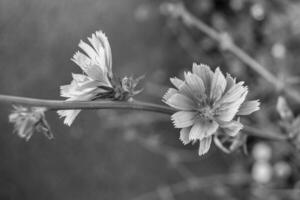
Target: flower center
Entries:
(206, 112)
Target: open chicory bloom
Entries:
(207, 105)
(97, 81)
(29, 120)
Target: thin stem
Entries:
(69, 105)
(134, 105)
(226, 43)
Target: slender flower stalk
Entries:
(208, 105)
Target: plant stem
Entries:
(103, 104)
(226, 43)
(70, 105)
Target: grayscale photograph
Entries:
(150, 100)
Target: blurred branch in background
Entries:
(226, 43)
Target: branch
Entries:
(87, 105)
(103, 104)
(226, 43)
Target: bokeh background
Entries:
(123, 154)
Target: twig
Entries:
(226, 43)
(134, 105)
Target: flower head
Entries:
(29, 120)
(97, 81)
(207, 102)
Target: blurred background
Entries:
(110, 154)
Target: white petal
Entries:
(205, 73)
(88, 50)
(107, 49)
(218, 85)
(177, 82)
(197, 132)
(196, 85)
(80, 77)
(94, 70)
(204, 145)
(232, 128)
(76, 88)
(184, 135)
(169, 93)
(227, 111)
(234, 93)
(186, 90)
(97, 63)
(69, 115)
(248, 107)
(203, 129)
(100, 59)
(180, 102)
(230, 82)
(183, 119)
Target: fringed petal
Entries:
(184, 135)
(180, 102)
(69, 115)
(177, 82)
(203, 129)
(248, 107)
(169, 93)
(183, 119)
(204, 145)
(205, 73)
(218, 85)
(196, 85)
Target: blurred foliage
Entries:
(124, 154)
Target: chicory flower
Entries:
(207, 104)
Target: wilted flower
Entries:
(97, 81)
(29, 120)
(207, 101)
